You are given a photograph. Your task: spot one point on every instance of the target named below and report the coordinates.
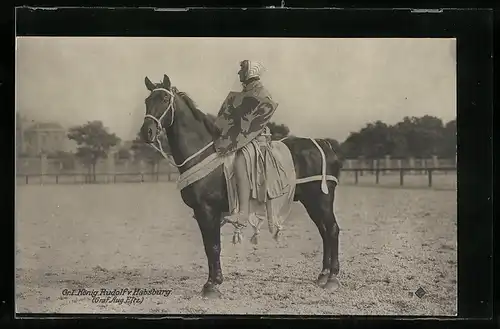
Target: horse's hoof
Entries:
(332, 284)
(322, 280)
(211, 293)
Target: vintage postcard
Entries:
(287, 176)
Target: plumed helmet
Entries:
(254, 69)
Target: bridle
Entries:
(160, 129)
(169, 107)
(159, 126)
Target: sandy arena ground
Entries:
(392, 242)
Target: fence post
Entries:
(27, 179)
(361, 165)
(401, 176)
(43, 167)
(435, 162)
(57, 179)
(388, 164)
(110, 165)
(141, 169)
(412, 164)
(429, 173)
(356, 176)
(377, 173)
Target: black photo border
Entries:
(473, 29)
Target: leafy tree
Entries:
(66, 160)
(423, 135)
(94, 143)
(448, 147)
(373, 141)
(413, 136)
(376, 140)
(278, 131)
(124, 153)
(147, 153)
(399, 143)
(351, 147)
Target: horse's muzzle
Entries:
(148, 132)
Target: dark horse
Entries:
(189, 131)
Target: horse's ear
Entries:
(149, 84)
(166, 82)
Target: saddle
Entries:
(274, 204)
(272, 179)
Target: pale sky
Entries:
(324, 87)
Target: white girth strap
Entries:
(324, 177)
(324, 187)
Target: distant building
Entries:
(44, 137)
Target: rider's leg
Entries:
(243, 188)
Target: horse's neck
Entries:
(186, 137)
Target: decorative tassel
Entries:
(256, 231)
(324, 187)
(254, 239)
(277, 236)
(237, 236)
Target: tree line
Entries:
(419, 137)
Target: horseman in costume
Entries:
(242, 124)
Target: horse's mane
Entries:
(198, 114)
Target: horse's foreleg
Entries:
(210, 231)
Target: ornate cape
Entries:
(242, 117)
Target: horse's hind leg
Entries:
(309, 198)
(319, 206)
(332, 231)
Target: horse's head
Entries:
(159, 109)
